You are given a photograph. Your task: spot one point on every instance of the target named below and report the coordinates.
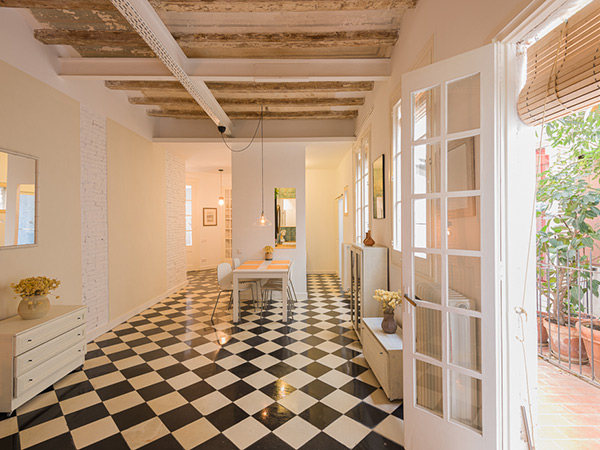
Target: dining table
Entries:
(261, 270)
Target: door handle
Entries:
(410, 300)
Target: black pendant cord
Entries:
(262, 161)
(253, 137)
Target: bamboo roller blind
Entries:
(563, 69)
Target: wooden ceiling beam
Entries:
(94, 5)
(130, 39)
(253, 115)
(290, 102)
(314, 86)
(374, 38)
(85, 38)
(240, 6)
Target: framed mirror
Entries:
(285, 217)
(378, 189)
(18, 202)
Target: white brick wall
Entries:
(176, 251)
(94, 217)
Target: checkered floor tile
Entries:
(170, 379)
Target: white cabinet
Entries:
(368, 272)
(383, 352)
(35, 354)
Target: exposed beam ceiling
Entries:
(278, 5)
(147, 24)
(283, 101)
(253, 115)
(301, 59)
(331, 86)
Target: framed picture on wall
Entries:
(209, 217)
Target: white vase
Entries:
(33, 307)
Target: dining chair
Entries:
(225, 280)
(276, 285)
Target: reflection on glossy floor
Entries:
(168, 379)
(569, 411)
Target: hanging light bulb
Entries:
(221, 198)
(262, 220)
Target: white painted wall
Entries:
(284, 167)
(20, 49)
(321, 253)
(208, 242)
(40, 121)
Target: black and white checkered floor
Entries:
(169, 379)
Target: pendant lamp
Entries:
(221, 198)
(262, 219)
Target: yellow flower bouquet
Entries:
(35, 286)
(389, 300)
(34, 296)
(268, 249)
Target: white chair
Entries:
(225, 280)
(276, 285)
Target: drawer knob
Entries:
(31, 360)
(30, 380)
(29, 340)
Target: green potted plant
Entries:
(569, 204)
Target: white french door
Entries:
(450, 241)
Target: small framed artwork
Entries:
(210, 217)
(378, 189)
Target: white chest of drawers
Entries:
(383, 352)
(35, 354)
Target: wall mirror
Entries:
(378, 189)
(17, 199)
(285, 217)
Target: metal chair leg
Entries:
(216, 302)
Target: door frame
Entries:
(484, 61)
(517, 144)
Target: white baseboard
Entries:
(99, 331)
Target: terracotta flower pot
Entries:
(586, 336)
(542, 333)
(569, 348)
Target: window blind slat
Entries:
(563, 69)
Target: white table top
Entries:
(254, 266)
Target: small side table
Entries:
(383, 352)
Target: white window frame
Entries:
(396, 185)
(361, 186)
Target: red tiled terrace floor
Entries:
(568, 411)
